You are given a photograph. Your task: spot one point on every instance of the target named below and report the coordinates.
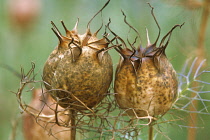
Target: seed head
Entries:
(79, 71)
(145, 81)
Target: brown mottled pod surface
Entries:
(79, 71)
(145, 81)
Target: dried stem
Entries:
(201, 55)
(73, 124)
(150, 132)
(88, 25)
(153, 15)
(202, 33)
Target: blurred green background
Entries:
(32, 40)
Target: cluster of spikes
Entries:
(136, 54)
(73, 39)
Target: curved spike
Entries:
(88, 25)
(95, 34)
(124, 44)
(55, 27)
(88, 31)
(64, 26)
(152, 12)
(169, 34)
(74, 30)
(148, 40)
(57, 32)
(134, 41)
(164, 47)
(130, 25)
(132, 45)
(68, 33)
(129, 43)
(108, 48)
(106, 26)
(116, 36)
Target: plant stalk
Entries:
(73, 126)
(201, 55)
(150, 137)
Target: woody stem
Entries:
(73, 127)
(150, 132)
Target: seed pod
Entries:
(33, 129)
(79, 71)
(145, 81)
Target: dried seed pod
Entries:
(145, 82)
(79, 71)
(34, 129)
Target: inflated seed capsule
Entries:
(79, 71)
(145, 81)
